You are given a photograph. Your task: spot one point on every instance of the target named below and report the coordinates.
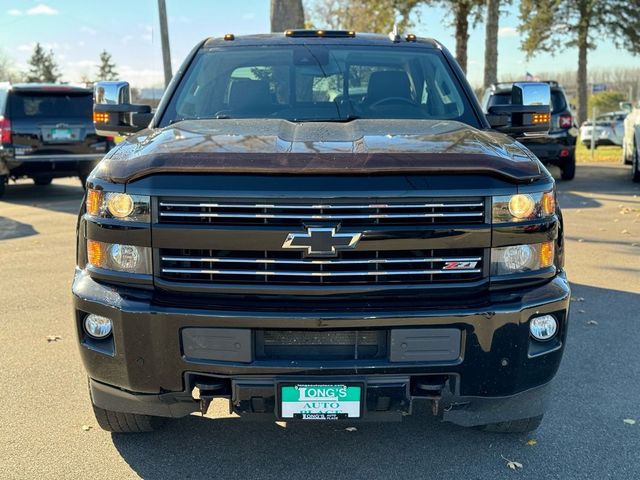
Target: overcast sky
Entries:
(78, 31)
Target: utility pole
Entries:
(164, 38)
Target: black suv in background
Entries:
(46, 131)
(556, 148)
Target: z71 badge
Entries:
(459, 265)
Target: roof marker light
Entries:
(229, 37)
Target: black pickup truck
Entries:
(46, 132)
(321, 225)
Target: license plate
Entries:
(60, 134)
(321, 402)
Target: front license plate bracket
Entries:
(320, 400)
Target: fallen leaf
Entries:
(53, 338)
(615, 220)
(582, 311)
(592, 322)
(629, 421)
(512, 464)
(86, 428)
(625, 232)
(531, 442)
(351, 429)
(581, 299)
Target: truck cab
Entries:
(320, 226)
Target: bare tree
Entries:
(286, 14)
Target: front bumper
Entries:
(144, 368)
(56, 165)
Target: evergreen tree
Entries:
(551, 25)
(106, 69)
(42, 66)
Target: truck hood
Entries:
(355, 147)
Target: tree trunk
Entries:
(461, 11)
(583, 46)
(491, 43)
(286, 14)
(583, 92)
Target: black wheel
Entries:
(42, 181)
(119, 422)
(635, 164)
(513, 426)
(569, 169)
(3, 184)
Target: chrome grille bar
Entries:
(320, 217)
(316, 262)
(317, 206)
(316, 274)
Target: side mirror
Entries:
(113, 112)
(529, 113)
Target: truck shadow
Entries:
(196, 447)
(12, 229)
(57, 197)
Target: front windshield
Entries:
(319, 83)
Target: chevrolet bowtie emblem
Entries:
(322, 241)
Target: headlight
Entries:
(121, 258)
(122, 206)
(521, 258)
(523, 206)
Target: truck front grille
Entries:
(349, 267)
(434, 211)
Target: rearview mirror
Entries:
(528, 114)
(113, 112)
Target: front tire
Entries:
(42, 181)
(120, 422)
(514, 426)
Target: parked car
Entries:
(609, 130)
(558, 146)
(316, 226)
(631, 142)
(47, 132)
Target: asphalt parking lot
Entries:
(47, 428)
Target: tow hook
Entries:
(432, 391)
(206, 392)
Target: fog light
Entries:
(543, 328)
(97, 326)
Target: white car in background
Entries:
(631, 142)
(609, 130)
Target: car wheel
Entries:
(42, 181)
(569, 168)
(635, 165)
(513, 426)
(120, 422)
